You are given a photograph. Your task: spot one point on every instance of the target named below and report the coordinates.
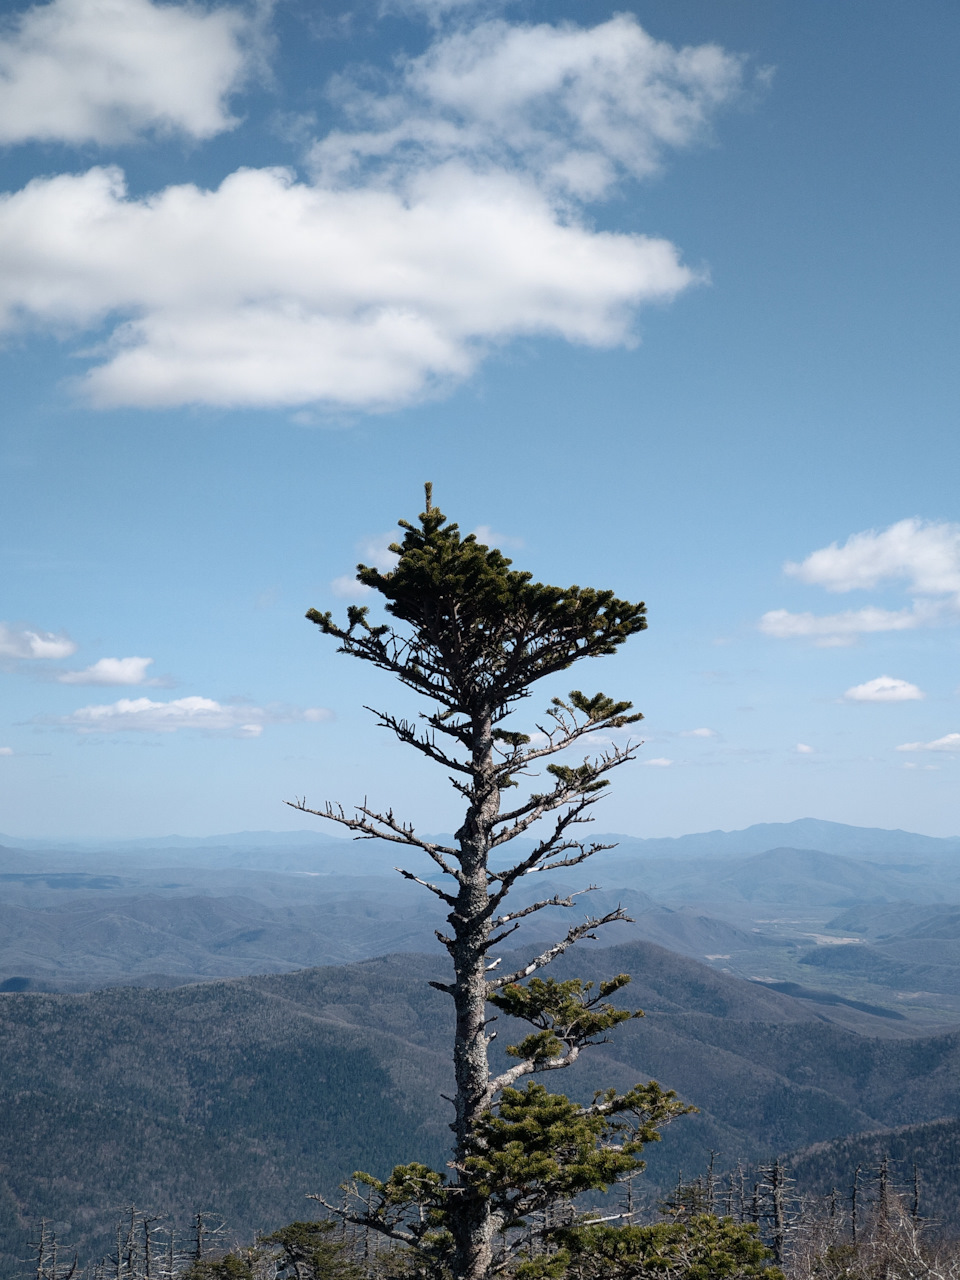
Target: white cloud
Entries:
(659, 762)
(577, 106)
(146, 716)
(884, 689)
(951, 742)
(833, 629)
(924, 554)
(346, 587)
(374, 551)
(82, 71)
(489, 536)
(804, 750)
(395, 272)
(699, 733)
(111, 671)
(21, 642)
(6, 751)
(270, 291)
(433, 10)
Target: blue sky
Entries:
(661, 296)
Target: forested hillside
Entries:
(922, 1159)
(243, 1096)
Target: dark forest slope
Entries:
(241, 1096)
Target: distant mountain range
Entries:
(156, 914)
(804, 833)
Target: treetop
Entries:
(480, 627)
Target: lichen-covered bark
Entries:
(470, 929)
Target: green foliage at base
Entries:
(539, 1146)
(532, 1150)
(703, 1247)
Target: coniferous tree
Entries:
(473, 636)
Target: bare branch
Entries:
(555, 901)
(408, 875)
(550, 847)
(533, 1067)
(370, 828)
(406, 731)
(498, 938)
(579, 931)
(391, 1230)
(565, 735)
(563, 793)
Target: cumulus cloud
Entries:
(884, 689)
(950, 742)
(111, 671)
(271, 291)
(143, 715)
(24, 643)
(102, 71)
(443, 223)
(922, 555)
(925, 555)
(659, 762)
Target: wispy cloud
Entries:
(447, 219)
(804, 749)
(111, 671)
(885, 689)
(834, 629)
(699, 733)
(82, 71)
(26, 644)
(576, 107)
(659, 762)
(6, 751)
(373, 551)
(950, 742)
(142, 715)
(922, 555)
(490, 537)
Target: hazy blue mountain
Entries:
(804, 833)
(880, 920)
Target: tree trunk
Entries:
(472, 1223)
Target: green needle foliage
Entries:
(703, 1247)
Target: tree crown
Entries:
(482, 632)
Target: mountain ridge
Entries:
(817, 833)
